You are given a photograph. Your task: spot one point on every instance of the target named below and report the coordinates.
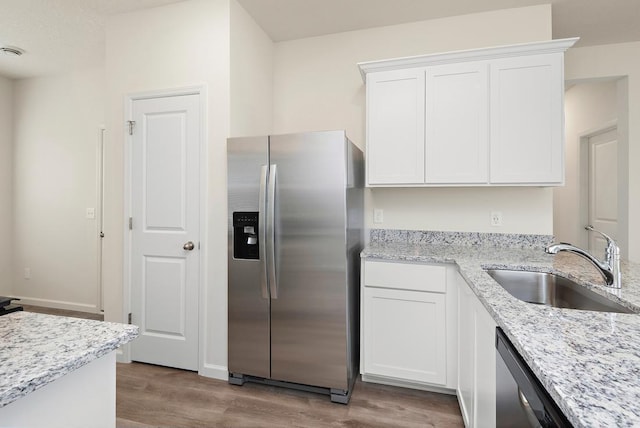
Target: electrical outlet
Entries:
(27, 273)
(378, 216)
(91, 213)
(496, 218)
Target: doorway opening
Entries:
(597, 164)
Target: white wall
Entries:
(251, 76)
(618, 60)
(318, 86)
(588, 107)
(178, 45)
(6, 185)
(56, 135)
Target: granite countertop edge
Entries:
(21, 377)
(586, 360)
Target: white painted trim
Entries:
(214, 371)
(120, 354)
(163, 93)
(605, 127)
(201, 91)
(126, 239)
(463, 410)
(384, 380)
(203, 323)
(59, 304)
(99, 217)
(522, 49)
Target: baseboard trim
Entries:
(58, 304)
(122, 356)
(407, 384)
(214, 371)
(463, 410)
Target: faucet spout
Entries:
(609, 268)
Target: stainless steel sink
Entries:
(553, 290)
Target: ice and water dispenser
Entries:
(245, 235)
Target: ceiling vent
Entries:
(11, 50)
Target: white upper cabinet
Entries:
(482, 117)
(526, 120)
(457, 114)
(395, 120)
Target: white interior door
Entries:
(603, 188)
(165, 230)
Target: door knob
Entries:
(188, 246)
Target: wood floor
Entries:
(153, 396)
(162, 397)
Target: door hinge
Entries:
(132, 124)
(130, 223)
(129, 318)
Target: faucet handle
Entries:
(611, 243)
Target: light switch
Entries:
(378, 216)
(91, 213)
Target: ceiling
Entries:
(62, 35)
(595, 21)
(58, 35)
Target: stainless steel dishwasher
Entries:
(521, 400)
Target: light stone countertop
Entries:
(36, 349)
(589, 362)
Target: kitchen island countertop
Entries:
(589, 362)
(36, 349)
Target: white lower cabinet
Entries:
(395, 345)
(409, 325)
(476, 385)
(423, 327)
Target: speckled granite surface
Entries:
(459, 238)
(588, 361)
(36, 349)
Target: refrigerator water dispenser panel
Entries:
(245, 235)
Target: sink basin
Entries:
(553, 290)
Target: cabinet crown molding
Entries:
(535, 48)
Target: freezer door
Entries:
(309, 297)
(248, 313)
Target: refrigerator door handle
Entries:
(271, 237)
(262, 208)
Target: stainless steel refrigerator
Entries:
(295, 234)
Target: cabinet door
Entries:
(395, 127)
(527, 120)
(457, 106)
(404, 335)
(466, 352)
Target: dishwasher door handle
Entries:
(526, 407)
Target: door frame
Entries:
(100, 216)
(584, 182)
(201, 91)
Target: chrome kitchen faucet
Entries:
(609, 268)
